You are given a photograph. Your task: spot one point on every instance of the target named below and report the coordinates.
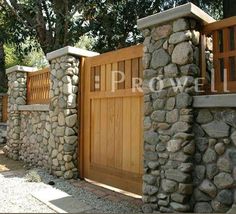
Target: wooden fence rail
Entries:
(38, 86)
(223, 34)
(4, 108)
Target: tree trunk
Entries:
(3, 78)
(229, 8)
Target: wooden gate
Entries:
(111, 141)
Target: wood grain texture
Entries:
(222, 52)
(38, 86)
(112, 121)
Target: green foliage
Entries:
(86, 42)
(113, 23)
(52, 23)
(35, 58)
(11, 58)
(3, 89)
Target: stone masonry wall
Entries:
(63, 115)
(215, 160)
(34, 137)
(47, 139)
(171, 51)
(17, 96)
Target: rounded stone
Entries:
(61, 119)
(182, 54)
(209, 156)
(183, 100)
(209, 188)
(67, 158)
(161, 32)
(68, 174)
(151, 137)
(153, 164)
(223, 180)
(174, 145)
(180, 25)
(171, 70)
(220, 148)
(202, 207)
(204, 116)
(218, 207)
(224, 164)
(211, 170)
(149, 189)
(55, 162)
(169, 186)
(59, 157)
(225, 197)
(54, 153)
(71, 120)
(180, 37)
(149, 179)
(158, 116)
(160, 58)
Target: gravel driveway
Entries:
(15, 192)
(15, 195)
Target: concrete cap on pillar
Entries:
(186, 10)
(70, 51)
(21, 69)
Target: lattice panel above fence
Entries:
(38, 86)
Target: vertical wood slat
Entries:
(216, 63)
(118, 133)
(135, 134)
(38, 86)
(203, 59)
(121, 68)
(92, 82)
(128, 73)
(135, 70)
(115, 74)
(226, 49)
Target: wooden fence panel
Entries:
(4, 109)
(38, 86)
(224, 52)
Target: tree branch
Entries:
(45, 7)
(22, 13)
(6, 4)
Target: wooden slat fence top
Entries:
(218, 25)
(38, 86)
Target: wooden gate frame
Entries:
(83, 68)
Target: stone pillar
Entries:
(17, 78)
(171, 55)
(64, 110)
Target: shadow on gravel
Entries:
(10, 168)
